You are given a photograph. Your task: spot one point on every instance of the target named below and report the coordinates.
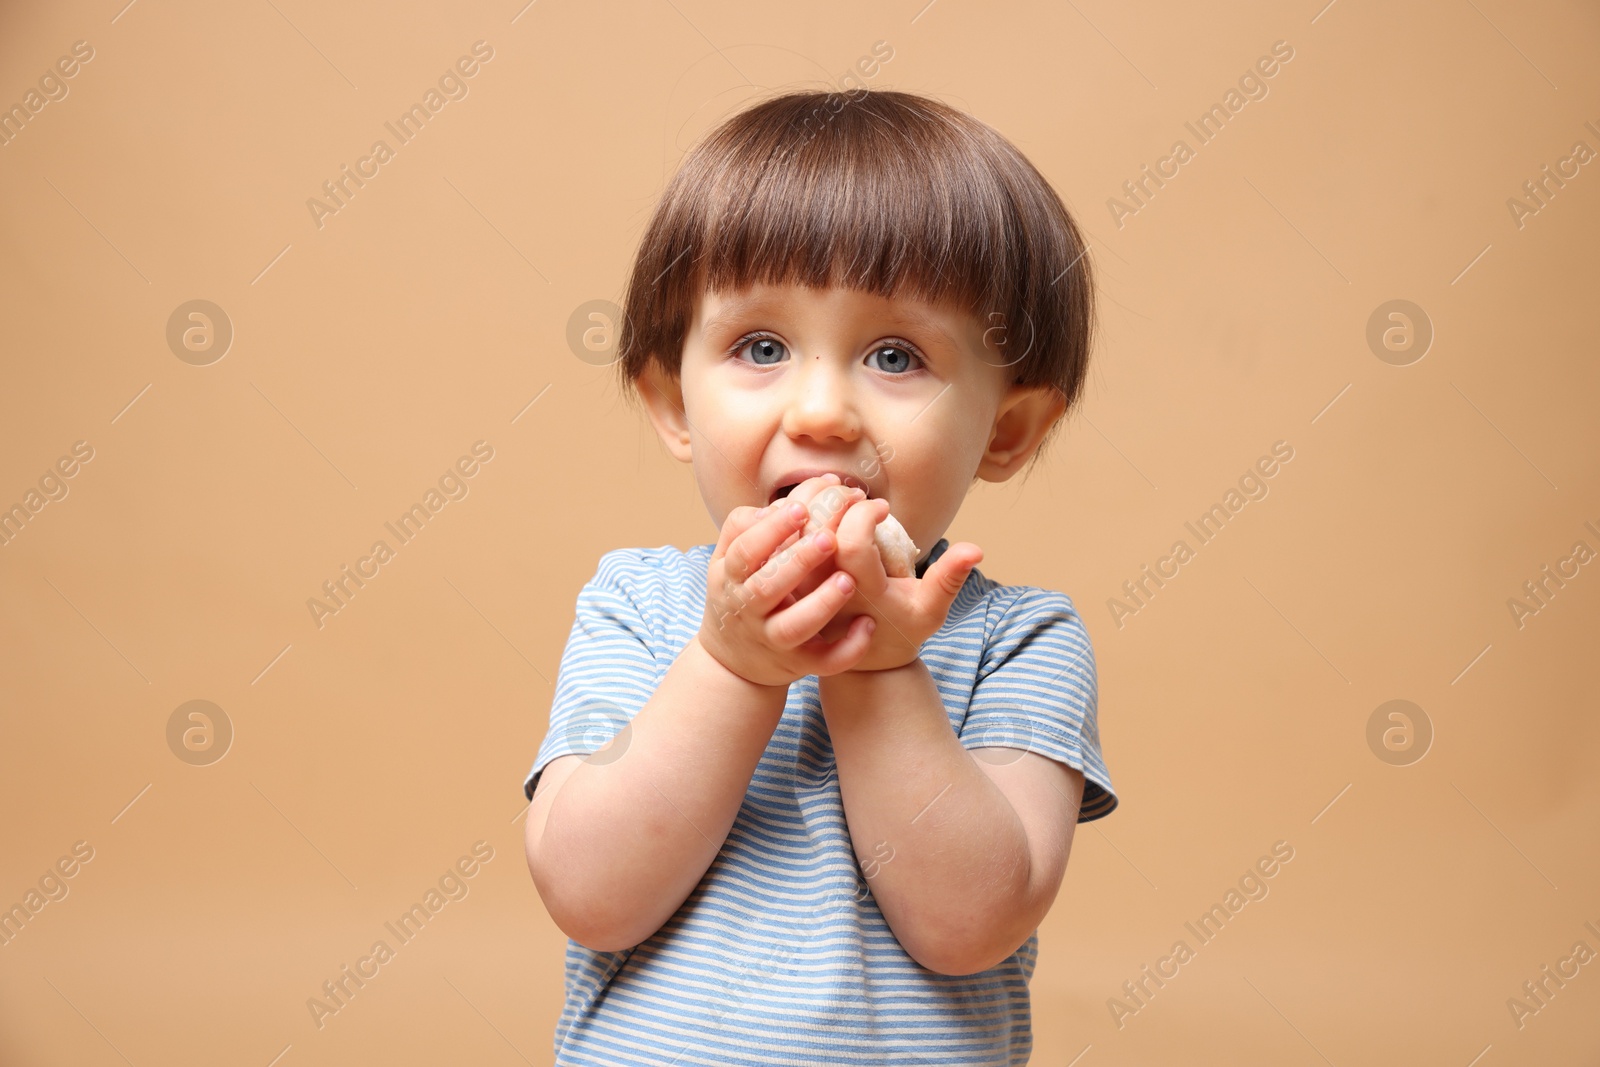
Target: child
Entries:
(834, 805)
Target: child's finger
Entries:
(829, 504)
(798, 623)
(774, 584)
(846, 652)
(754, 546)
(738, 521)
(822, 496)
(825, 499)
(944, 579)
(858, 552)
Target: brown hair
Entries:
(875, 190)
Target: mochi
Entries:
(899, 552)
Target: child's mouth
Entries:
(849, 480)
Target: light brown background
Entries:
(430, 311)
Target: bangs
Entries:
(877, 191)
(853, 199)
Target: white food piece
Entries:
(899, 552)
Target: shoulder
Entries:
(1032, 606)
(1009, 608)
(659, 587)
(649, 570)
(1032, 621)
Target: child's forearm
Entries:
(625, 841)
(958, 866)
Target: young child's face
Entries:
(899, 397)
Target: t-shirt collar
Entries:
(933, 554)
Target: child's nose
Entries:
(822, 403)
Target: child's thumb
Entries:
(949, 572)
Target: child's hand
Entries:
(754, 624)
(907, 610)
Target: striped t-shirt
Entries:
(780, 955)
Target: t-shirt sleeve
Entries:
(1037, 690)
(607, 672)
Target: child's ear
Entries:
(662, 394)
(1025, 415)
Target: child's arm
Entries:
(979, 848)
(616, 846)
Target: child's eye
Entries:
(899, 359)
(766, 350)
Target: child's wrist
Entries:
(859, 675)
(715, 664)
